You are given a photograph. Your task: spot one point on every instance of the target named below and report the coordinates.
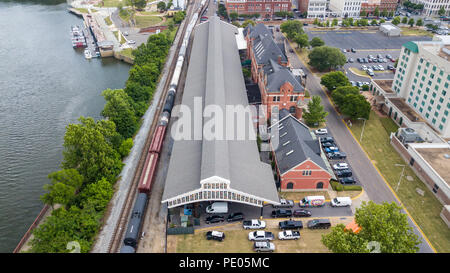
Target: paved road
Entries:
(373, 183)
(133, 33)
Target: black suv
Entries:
(319, 223)
(302, 213)
(281, 213)
(344, 173)
(215, 235)
(326, 139)
(347, 180)
(237, 216)
(214, 219)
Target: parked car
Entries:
(289, 235)
(312, 201)
(253, 224)
(353, 50)
(340, 166)
(290, 224)
(363, 67)
(366, 60)
(344, 50)
(319, 223)
(328, 144)
(215, 235)
(379, 56)
(336, 155)
(214, 219)
(344, 173)
(301, 213)
(332, 149)
(370, 72)
(390, 67)
(341, 202)
(347, 180)
(281, 213)
(388, 56)
(321, 131)
(125, 33)
(260, 235)
(360, 84)
(366, 83)
(381, 68)
(326, 139)
(264, 246)
(131, 42)
(285, 204)
(353, 83)
(359, 60)
(237, 216)
(351, 60)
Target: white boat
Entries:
(87, 54)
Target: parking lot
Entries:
(366, 42)
(335, 161)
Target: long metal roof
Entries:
(215, 76)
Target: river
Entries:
(44, 85)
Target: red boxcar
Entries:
(145, 182)
(157, 140)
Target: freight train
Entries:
(146, 179)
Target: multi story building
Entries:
(431, 7)
(300, 163)
(422, 79)
(388, 5)
(314, 8)
(266, 8)
(369, 6)
(279, 88)
(346, 8)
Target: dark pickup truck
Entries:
(290, 224)
(281, 213)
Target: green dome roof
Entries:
(412, 46)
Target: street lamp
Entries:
(364, 125)
(400, 179)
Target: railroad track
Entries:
(116, 240)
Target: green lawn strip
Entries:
(407, 31)
(425, 209)
(147, 21)
(127, 52)
(110, 3)
(108, 21)
(82, 10)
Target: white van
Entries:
(341, 202)
(217, 207)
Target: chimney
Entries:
(298, 112)
(279, 59)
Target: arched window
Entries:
(292, 109)
(290, 186)
(319, 185)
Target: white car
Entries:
(131, 42)
(366, 83)
(381, 68)
(321, 131)
(341, 202)
(340, 166)
(363, 67)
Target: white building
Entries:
(317, 8)
(431, 7)
(423, 78)
(390, 29)
(346, 8)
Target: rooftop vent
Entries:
(290, 152)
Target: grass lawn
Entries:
(82, 10)
(127, 52)
(147, 21)
(363, 73)
(424, 209)
(407, 31)
(111, 3)
(108, 21)
(236, 241)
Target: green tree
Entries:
(315, 113)
(316, 41)
(63, 187)
(325, 58)
(396, 20)
(363, 22)
(441, 11)
(89, 148)
(335, 22)
(340, 93)
(355, 106)
(383, 223)
(374, 22)
(384, 13)
(376, 12)
(161, 6)
(248, 22)
(411, 22)
(178, 17)
(363, 13)
(405, 20)
(334, 79)
(139, 4)
(97, 195)
(233, 16)
(419, 22)
(125, 147)
(119, 110)
(292, 28)
(301, 40)
(382, 21)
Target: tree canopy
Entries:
(316, 41)
(315, 113)
(292, 29)
(334, 79)
(119, 110)
(326, 58)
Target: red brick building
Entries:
(265, 8)
(370, 6)
(299, 159)
(279, 88)
(388, 5)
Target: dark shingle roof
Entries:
(264, 47)
(296, 143)
(277, 75)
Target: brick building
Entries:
(299, 159)
(369, 6)
(279, 88)
(266, 8)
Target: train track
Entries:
(116, 240)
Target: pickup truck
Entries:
(281, 213)
(260, 235)
(285, 204)
(253, 224)
(289, 235)
(290, 224)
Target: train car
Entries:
(127, 249)
(145, 182)
(169, 103)
(134, 226)
(157, 140)
(164, 120)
